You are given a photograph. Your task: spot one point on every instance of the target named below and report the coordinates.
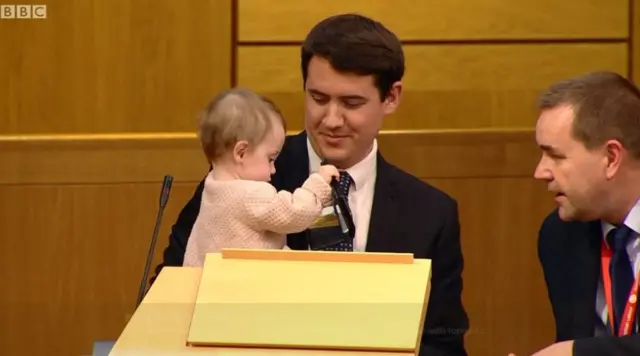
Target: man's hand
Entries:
(564, 348)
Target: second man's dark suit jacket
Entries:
(570, 256)
(407, 215)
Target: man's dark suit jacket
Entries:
(570, 256)
(407, 215)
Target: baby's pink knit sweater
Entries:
(251, 214)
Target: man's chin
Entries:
(335, 159)
(332, 153)
(565, 215)
(338, 158)
(571, 214)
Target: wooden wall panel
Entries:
(634, 43)
(113, 66)
(96, 159)
(134, 158)
(504, 291)
(80, 228)
(71, 258)
(442, 19)
(446, 86)
(78, 209)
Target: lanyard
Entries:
(628, 316)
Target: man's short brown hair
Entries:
(606, 107)
(234, 115)
(356, 44)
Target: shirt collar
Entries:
(361, 172)
(632, 221)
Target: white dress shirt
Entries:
(360, 192)
(633, 249)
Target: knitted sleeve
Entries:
(284, 212)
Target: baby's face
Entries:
(260, 162)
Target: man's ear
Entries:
(614, 152)
(393, 98)
(240, 150)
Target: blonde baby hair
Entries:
(234, 115)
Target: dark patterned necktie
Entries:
(620, 271)
(344, 184)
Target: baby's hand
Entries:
(327, 172)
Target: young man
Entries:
(352, 68)
(589, 133)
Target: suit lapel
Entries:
(585, 252)
(297, 169)
(383, 210)
(292, 169)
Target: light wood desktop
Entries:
(163, 322)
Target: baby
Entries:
(241, 134)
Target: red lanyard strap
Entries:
(628, 317)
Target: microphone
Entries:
(341, 207)
(162, 203)
(321, 238)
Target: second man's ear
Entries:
(614, 152)
(393, 98)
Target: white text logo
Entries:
(23, 12)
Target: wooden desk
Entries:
(161, 324)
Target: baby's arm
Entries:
(284, 212)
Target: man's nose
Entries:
(542, 172)
(333, 117)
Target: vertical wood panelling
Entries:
(77, 216)
(449, 86)
(113, 66)
(634, 45)
(71, 258)
(442, 20)
(504, 291)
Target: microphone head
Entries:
(166, 189)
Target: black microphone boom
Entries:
(162, 203)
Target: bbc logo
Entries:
(23, 12)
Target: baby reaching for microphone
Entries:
(241, 134)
